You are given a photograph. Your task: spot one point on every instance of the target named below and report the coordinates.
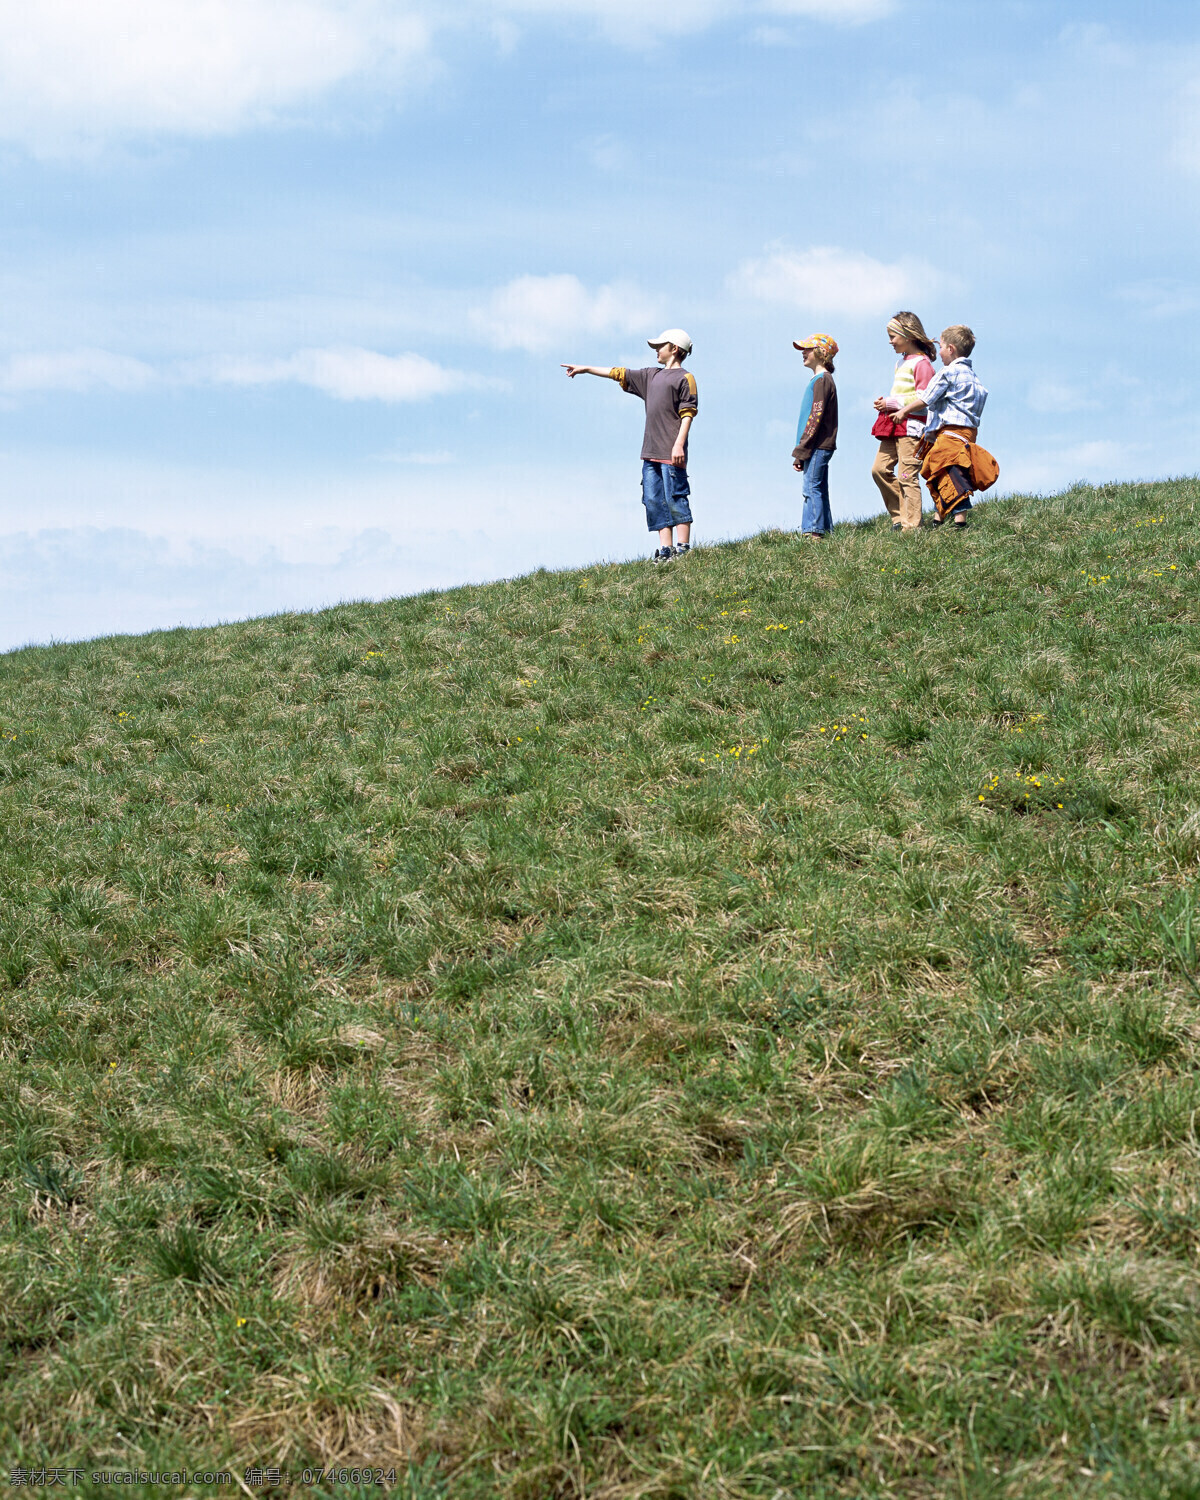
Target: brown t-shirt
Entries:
(821, 428)
(670, 395)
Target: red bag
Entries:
(885, 427)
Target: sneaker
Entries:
(662, 555)
(683, 549)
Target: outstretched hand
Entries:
(573, 370)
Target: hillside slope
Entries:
(726, 1030)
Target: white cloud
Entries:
(80, 70)
(1095, 42)
(609, 154)
(540, 313)
(1096, 462)
(1059, 396)
(75, 370)
(1162, 297)
(847, 12)
(636, 21)
(430, 459)
(346, 374)
(825, 281)
(349, 374)
(74, 72)
(624, 20)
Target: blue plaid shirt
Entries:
(954, 397)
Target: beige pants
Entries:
(897, 472)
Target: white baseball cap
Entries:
(674, 336)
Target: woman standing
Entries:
(897, 470)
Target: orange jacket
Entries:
(952, 448)
(955, 466)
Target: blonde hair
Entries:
(959, 337)
(911, 328)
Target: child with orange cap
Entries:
(816, 434)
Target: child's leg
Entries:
(951, 492)
(817, 519)
(808, 516)
(678, 495)
(654, 498)
(821, 481)
(908, 481)
(883, 472)
(683, 534)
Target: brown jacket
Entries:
(821, 429)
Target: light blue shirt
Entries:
(806, 406)
(954, 397)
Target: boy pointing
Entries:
(669, 392)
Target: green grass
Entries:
(726, 1030)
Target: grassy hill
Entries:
(726, 1030)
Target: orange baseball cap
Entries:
(820, 342)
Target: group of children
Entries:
(926, 428)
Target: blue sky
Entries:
(286, 283)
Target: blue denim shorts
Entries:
(665, 492)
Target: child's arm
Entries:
(923, 400)
(902, 413)
(679, 451)
(606, 372)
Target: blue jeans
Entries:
(817, 516)
(665, 492)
